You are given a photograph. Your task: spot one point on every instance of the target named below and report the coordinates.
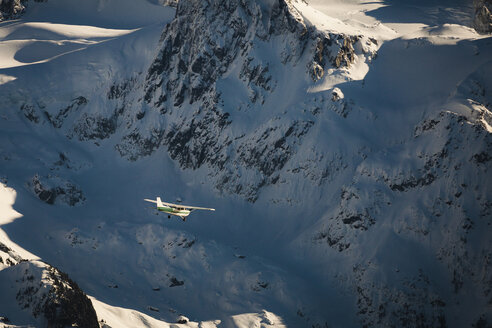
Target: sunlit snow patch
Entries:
(33, 43)
(8, 215)
(263, 319)
(6, 78)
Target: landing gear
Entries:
(169, 216)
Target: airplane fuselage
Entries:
(174, 211)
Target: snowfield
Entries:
(345, 145)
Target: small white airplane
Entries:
(174, 209)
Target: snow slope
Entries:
(345, 145)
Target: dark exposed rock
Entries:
(482, 157)
(209, 60)
(331, 50)
(482, 21)
(175, 282)
(11, 9)
(257, 78)
(30, 113)
(67, 304)
(46, 195)
(334, 242)
(63, 161)
(268, 155)
(196, 142)
(346, 55)
(417, 304)
(425, 126)
(121, 90)
(65, 191)
(47, 292)
(260, 285)
(133, 146)
(50, 293)
(352, 219)
(413, 183)
(9, 257)
(4, 248)
(94, 127)
(76, 105)
(103, 324)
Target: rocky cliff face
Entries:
(482, 21)
(218, 65)
(13, 9)
(10, 9)
(441, 190)
(42, 294)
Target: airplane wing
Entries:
(179, 206)
(170, 204)
(186, 207)
(159, 202)
(195, 208)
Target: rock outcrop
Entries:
(43, 294)
(482, 20)
(51, 189)
(11, 9)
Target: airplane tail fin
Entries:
(159, 202)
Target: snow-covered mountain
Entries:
(345, 145)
